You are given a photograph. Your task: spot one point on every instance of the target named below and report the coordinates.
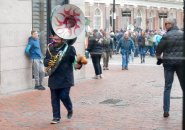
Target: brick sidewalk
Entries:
(122, 100)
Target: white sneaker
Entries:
(100, 76)
(95, 77)
(55, 121)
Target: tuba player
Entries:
(62, 79)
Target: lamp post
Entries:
(114, 16)
(183, 86)
(48, 20)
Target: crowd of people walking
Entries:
(129, 44)
(166, 46)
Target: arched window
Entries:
(139, 18)
(126, 20)
(171, 15)
(97, 19)
(151, 20)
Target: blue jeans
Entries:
(151, 49)
(96, 58)
(125, 58)
(142, 51)
(169, 77)
(57, 95)
(136, 52)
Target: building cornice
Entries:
(148, 3)
(156, 3)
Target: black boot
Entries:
(69, 114)
(40, 87)
(166, 114)
(143, 60)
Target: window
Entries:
(139, 19)
(151, 20)
(97, 19)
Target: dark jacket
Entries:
(135, 40)
(107, 44)
(94, 47)
(63, 76)
(141, 41)
(171, 45)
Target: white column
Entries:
(80, 43)
(15, 28)
(107, 15)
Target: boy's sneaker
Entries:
(55, 121)
(40, 87)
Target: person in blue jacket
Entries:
(127, 45)
(33, 50)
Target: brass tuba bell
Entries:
(67, 21)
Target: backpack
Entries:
(141, 41)
(28, 50)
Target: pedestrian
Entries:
(126, 44)
(157, 37)
(142, 47)
(33, 50)
(112, 44)
(171, 47)
(151, 44)
(131, 56)
(62, 78)
(96, 50)
(106, 44)
(135, 40)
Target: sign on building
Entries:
(126, 13)
(163, 15)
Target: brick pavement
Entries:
(122, 100)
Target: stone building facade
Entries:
(144, 13)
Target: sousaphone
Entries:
(67, 21)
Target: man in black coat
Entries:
(62, 79)
(171, 45)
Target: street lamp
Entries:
(48, 19)
(114, 16)
(183, 86)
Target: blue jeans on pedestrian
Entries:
(142, 51)
(63, 95)
(151, 49)
(125, 58)
(169, 77)
(96, 58)
(136, 52)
